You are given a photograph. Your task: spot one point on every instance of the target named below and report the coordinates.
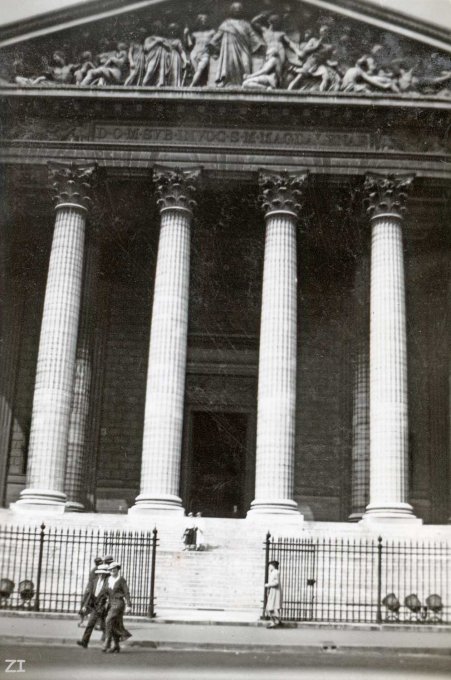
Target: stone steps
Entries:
(222, 579)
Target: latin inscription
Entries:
(226, 137)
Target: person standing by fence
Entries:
(274, 595)
(118, 602)
(96, 598)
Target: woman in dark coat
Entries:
(118, 603)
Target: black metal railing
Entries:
(362, 581)
(46, 569)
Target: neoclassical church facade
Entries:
(225, 262)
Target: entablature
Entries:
(226, 131)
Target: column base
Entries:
(280, 518)
(149, 505)
(40, 501)
(398, 513)
(355, 517)
(73, 506)
(282, 506)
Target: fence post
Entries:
(152, 574)
(265, 590)
(379, 580)
(38, 577)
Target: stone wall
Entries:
(121, 422)
(428, 343)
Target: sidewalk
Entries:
(36, 629)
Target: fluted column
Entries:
(361, 401)
(58, 340)
(163, 417)
(449, 391)
(389, 489)
(77, 463)
(276, 407)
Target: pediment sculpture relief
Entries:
(275, 48)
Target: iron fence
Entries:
(362, 581)
(46, 569)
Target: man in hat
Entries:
(92, 575)
(96, 598)
(97, 562)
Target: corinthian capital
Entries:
(282, 192)
(71, 184)
(386, 194)
(175, 188)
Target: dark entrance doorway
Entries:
(218, 463)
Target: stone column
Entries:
(163, 417)
(58, 340)
(360, 472)
(77, 463)
(389, 490)
(276, 406)
(449, 390)
(11, 307)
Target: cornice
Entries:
(205, 95)
(80, 14)
(131, 161)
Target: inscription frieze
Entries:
(226, 137)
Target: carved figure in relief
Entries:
(363, 76)
(176, 60)
(86, 63)
(366, 75)
(437, 84)
(111, 68)
(24, 76)
(406, 79)
(236, 42)
(328, 76)
(59, 70)
(156, 49)
(136, 60)
(197, 42)
(277, 43)
(304, 64)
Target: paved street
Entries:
(67, 663)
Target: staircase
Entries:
(228, 575)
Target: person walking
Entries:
(118, 603)
(96, 599)
(86, 605)
(274, 596)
